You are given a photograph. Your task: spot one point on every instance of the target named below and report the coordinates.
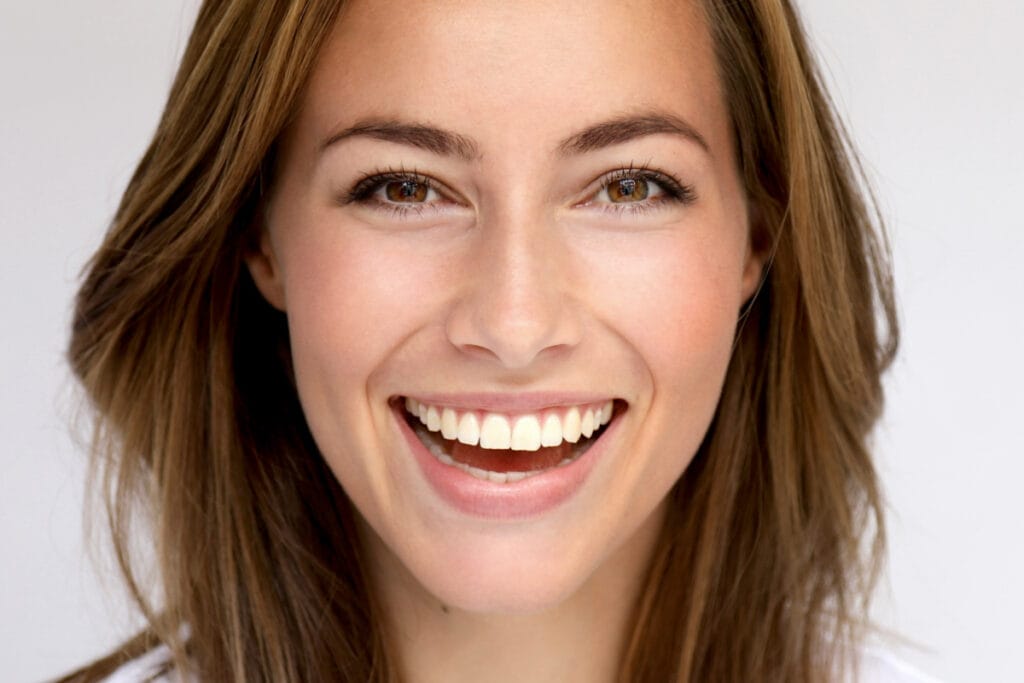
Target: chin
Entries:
(509, 590)
(511, 573)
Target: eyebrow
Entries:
(629, 127)
(430, 138)
(447, 143)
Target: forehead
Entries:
(518, 73)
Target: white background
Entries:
(934, 95)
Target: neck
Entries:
(578, 640)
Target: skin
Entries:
(516, 276)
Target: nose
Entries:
(516, 306)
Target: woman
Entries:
(493, 341)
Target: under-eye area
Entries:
(509, 448)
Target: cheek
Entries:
(675, 299)
(350, 300)
(675, 303)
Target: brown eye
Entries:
(406, 191)
(626, 190)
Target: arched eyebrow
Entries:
(423, 136)
(447, 143)
(629, 127)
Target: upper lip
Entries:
(510, 403)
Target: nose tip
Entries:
(515, 338)
(517, 305)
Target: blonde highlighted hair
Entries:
(773, 541)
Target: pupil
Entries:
(628, 190)
(406, 191)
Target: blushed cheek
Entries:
(347, 292)
(673, 301)
(676, 302)
(349, 305)
(355, 297)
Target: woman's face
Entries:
(511, 213)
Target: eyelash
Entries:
(366, 186)
(673, 190)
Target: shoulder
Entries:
(881, 666)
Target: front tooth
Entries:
(449, 424)
(433, 419)
(587, 425)
(421, 410)
(571, 426)
(552, 435)
(526, 434)
(606, 412)
(469, 429)
(495, 432)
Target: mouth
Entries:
(505, 449)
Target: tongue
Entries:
(494, 460)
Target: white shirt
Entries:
(881, 666)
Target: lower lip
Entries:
(530, 497)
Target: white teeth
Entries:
(526, 434)
(587, 425)
(449, 424)
(469, 430)
(552, 435)
(433, 419)
(495, 432)
(571, 426)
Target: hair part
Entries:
(199, 432)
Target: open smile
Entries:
(496, 464)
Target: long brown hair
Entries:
(775, 534)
